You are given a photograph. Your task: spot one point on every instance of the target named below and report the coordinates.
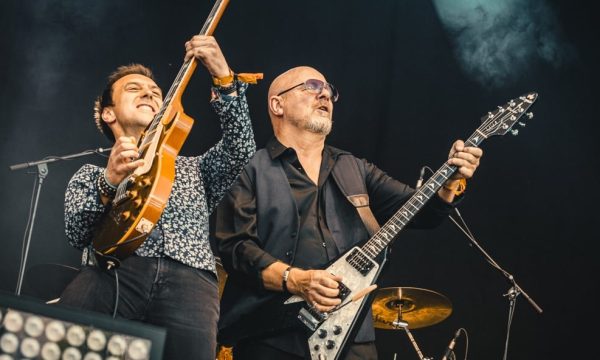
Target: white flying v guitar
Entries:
(360, 267)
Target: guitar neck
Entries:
(386, 234)
(185, 72)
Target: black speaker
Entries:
(32, 329)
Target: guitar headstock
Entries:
(503, 119)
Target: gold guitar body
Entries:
(143, 196)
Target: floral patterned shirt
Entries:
(200, 182)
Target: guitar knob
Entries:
(337, 330)
(322, 333)
(515, 132)
(145, 182)
(137, 202)
(125, 215)
(132, 194)
(330, 344)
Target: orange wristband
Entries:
(462, 186)
(249, 78)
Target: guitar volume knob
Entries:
(125, 215)
(330, 344)
(337, 330)
(322, 333)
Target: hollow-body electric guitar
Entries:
(360, 266)
(142, 196)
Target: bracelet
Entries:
(462, 186)
(286, 274)
(105, 187)
(228, 89)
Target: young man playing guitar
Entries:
(170, 281)
(285, 218)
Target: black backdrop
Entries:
(404, 99)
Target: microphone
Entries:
(451, 345)
(420, 181)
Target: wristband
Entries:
(462, 186)
(106, 188)
(286, 275)
(227, 90)
(220, 81)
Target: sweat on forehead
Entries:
(292, 77)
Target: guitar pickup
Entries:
(360, 261)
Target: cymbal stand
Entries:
(42, 172)
(513, 292)
(404, 325)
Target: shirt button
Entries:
(288, 253)
(324, 245)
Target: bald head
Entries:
(288, 79)
(292, 77)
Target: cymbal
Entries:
(419, 307)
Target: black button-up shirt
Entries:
(315, 243)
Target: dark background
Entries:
(404, 99)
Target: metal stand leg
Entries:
(412, 340)
(42, 173)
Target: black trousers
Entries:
(158, 291)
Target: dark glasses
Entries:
(315, 86)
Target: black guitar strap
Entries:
(351, 182)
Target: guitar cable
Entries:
(121, 244)
(116, 292)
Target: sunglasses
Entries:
(315, 86)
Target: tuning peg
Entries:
(529, 115)
(515, 132)
(521, 124)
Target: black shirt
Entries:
(315, 244)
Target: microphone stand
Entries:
(42, 172)
(513, 292)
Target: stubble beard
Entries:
(320, 126)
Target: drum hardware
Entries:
(409, 308)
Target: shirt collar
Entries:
(276, 149)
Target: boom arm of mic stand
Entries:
(489, 259)
(42, 172)
(50, 159)
(512, 293)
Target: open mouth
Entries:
(146, 107)
(323, 108)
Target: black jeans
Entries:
(158, 291)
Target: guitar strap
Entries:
(351, 182)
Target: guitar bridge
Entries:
(311, 317)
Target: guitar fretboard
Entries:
(497, 123)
